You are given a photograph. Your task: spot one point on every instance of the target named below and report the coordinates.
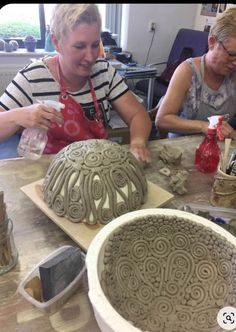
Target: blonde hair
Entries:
(225, 25)
(66, 17)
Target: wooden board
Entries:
(82, 233)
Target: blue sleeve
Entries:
(8, 148)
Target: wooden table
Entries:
(36, 236)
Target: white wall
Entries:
(169, 19)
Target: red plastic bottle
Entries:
(207, 154)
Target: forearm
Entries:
(8, 124)
(140, 128)
(174, 123)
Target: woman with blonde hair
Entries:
(86, 84)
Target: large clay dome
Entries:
(94, 181)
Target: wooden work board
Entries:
(83, 233)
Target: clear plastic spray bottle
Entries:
(34, 140)
(207, 154)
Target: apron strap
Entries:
(59, 74)
(95, 101)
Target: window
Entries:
(49, 7)
(113, 19)
(19, 20)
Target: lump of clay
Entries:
(94, 181)
(178, 182)
(165, 171)
(170, 155)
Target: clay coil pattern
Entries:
(174, 275)
(94, 181)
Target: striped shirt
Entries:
(35, 81)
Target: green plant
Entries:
(19, 30)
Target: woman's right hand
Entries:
(37, 116)
(227, 130)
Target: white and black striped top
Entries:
(35, 81)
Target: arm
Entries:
(167, 116)
(136, 117)
(35, 115)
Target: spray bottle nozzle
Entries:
(215, 122)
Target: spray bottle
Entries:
(34, 140)
(207, 154)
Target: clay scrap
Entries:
(165, 171)
(178, 176)
(170, 155)
(178, 182)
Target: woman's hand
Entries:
(224, 130)
(37, 116)
(233, 134)
(141, 152)
(227, 130)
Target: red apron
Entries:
(77, 126)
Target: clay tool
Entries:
(226, 153)
(2, 208)
(231, 162)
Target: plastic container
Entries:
(33, 140)
(32, 143)
(8, 251)
(207, 154)
(55, 303)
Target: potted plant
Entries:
(30, 43)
